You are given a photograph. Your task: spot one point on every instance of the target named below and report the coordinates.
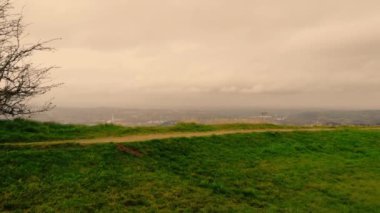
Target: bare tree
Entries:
(20, 79)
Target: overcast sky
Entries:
(214, 53)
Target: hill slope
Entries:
(295, 171)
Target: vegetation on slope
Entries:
(20, 130)
(335, 171)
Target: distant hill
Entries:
(336, 118)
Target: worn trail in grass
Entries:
(142, 138)
(26, 132)
(32, 131)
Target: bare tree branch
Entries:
(20, 80)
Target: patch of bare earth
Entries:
(129, 150)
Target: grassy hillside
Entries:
(336, 171)
(20, 130)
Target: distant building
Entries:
(112, 121)
(169, 123)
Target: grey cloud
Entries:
(282, 53)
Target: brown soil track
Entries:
(147, 137)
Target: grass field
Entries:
(335, 171)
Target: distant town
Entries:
(149, 117)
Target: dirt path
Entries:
(141, 138)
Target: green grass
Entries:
(20, 130)
(336, 171)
